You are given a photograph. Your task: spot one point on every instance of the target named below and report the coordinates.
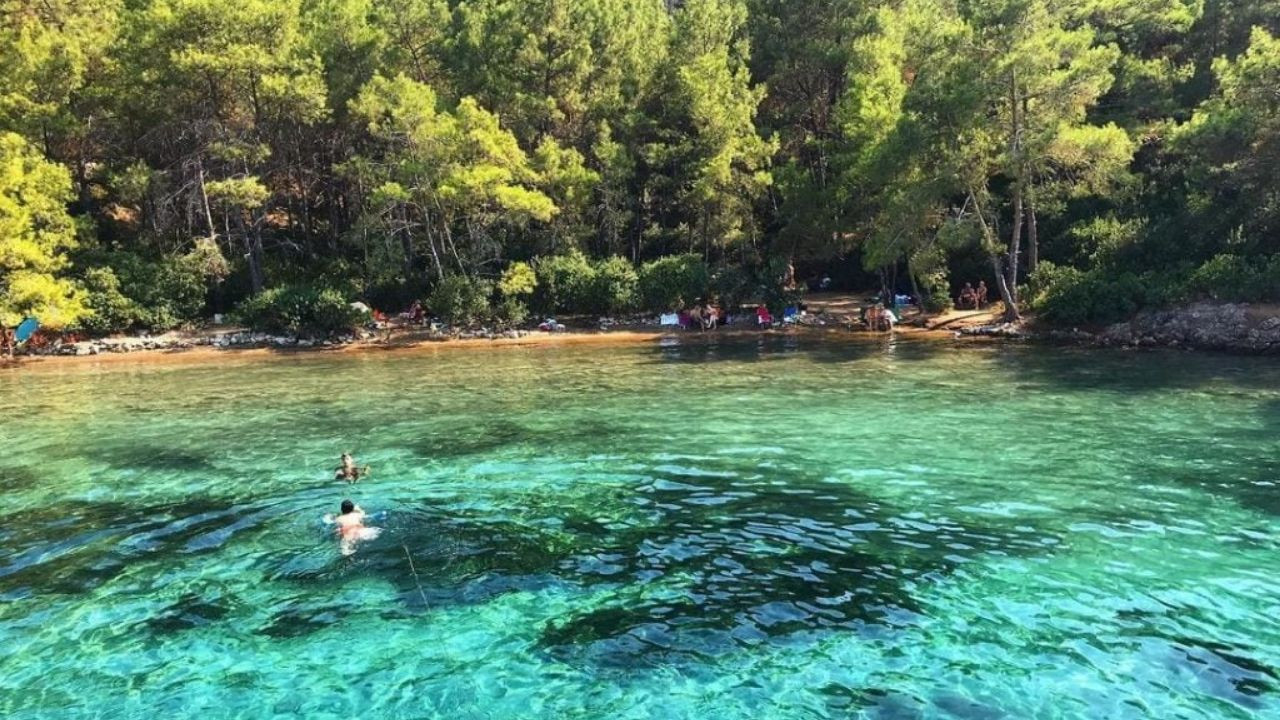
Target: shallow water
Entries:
(750, 529)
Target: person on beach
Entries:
(351, 528)
(982, 293)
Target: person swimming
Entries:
(348, 470)
(350, 527)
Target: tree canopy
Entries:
(380, 147)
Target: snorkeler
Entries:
(351, 528)
(348, 470)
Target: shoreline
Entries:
(213, 354)
(1212, 327)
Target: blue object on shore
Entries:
(26, 329)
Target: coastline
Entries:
(1214, 327)
(833, 316)
(212, 354)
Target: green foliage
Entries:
(460, 300)
(518, 280)
(566, 283)
(110, 310)
(731, 286)
(771, 288)
(672, 282)
(35, 233)
(380, 146)
(303, 310)
(1236, 278)
(510, 312)
(613, 287)
(1068, 296)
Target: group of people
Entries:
(349, 522)
(971, 297)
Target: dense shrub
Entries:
(613, 287)
(518, 281)
(771, 290)
(392, 295)
(510, 312)
(565, 283)
(300, 310)
(460, 300)
(731, 286)
(672, 282)
(1069, 296)
(935, 291)
(127, 291)
(110, 310)
(1237, 279)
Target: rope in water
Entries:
(416, 581)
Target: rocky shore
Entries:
(240, 339)
(1223, 327)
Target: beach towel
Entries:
(669, 319)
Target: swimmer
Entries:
(348, 470)
(351, 528)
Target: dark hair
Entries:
(348, 506)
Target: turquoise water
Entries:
(778, 528)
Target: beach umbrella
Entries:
(26, 329)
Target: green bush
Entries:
(731, 286)
(1069, 296)
(613, 287)
(518, 280)
(935, 291)
(300, 310)
(111, 310)
(510, 312)
(672, 282)
(1237, 279)
(565, 283)
(128, 291)
(770, 288)
(460, 300)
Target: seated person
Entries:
(968, 297)
(763, 317)
(981, 294)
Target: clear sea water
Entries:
(773, 528)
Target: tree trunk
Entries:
(992, 245)
(204, 196)
(1010, 304)
(1033, 242)
(1015, 156)
(1015, 243)
(253, 239)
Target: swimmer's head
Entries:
(348, 506)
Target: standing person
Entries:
(982, 293)
(709, 316)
